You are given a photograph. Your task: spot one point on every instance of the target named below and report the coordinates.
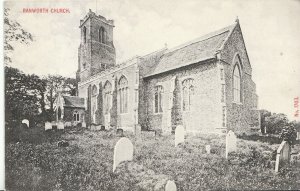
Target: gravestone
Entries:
(283, 155)
(83, 124)
(25, 121)
(48, 126)
(102, 128)
(120, 132)
(68, 124)
(123, 151)
(179, 135)
(60, 125)
(230, 143)
(298, 136)
(170, 186)
(207, 148)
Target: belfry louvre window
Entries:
(158, 99)
(123, 94)
(236, 84)
(107, 97)
(187, 94)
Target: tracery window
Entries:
(158, 99)
(123, 94)
(76, 116)
(107, 97)
(187, 94)
(236, 83)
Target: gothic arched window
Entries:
(84, 34)
(76, 116)
(237, 83)
(107, 97)
(123, 94)
(187, 94)
(158, 99)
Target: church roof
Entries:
(200, 49)
(73, 101)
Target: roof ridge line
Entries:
(201, 38)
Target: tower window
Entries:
(102, 35)
(84, 34)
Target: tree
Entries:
(23, 95)
(276, 122)
(13, 33)
(56, 82)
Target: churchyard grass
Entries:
(86, 164)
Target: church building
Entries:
(205, 85)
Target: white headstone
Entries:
(207, 148)
(283, 155)
(123, 152)
(170, 186)
(60, 125)
(48, 125)
(83, 124)
(26, 122)
(179, 135)
(265, 129)
(298, 135)
(230, 143)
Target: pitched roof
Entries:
(73, 101)
(200, 49)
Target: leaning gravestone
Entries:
(48, 126)
(230, 143)
(26, 122)
(123, 152)
(179, 135)
(60, 125)
(283, 155)
(170, 186)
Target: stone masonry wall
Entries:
(205, 113)
(124, 120)
(240, 116)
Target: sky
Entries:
(270, 29)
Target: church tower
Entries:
(96, 51)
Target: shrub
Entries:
(288, 134)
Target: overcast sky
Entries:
(270, 28)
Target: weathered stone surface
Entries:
(179, 135)
(123, 151)
(207, 148)
(283, 155)
(48, 126)
(170, 186)
(231, 142)
(60, 125)
(26, 121)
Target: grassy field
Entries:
(37, 163)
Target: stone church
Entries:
(205, 85)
